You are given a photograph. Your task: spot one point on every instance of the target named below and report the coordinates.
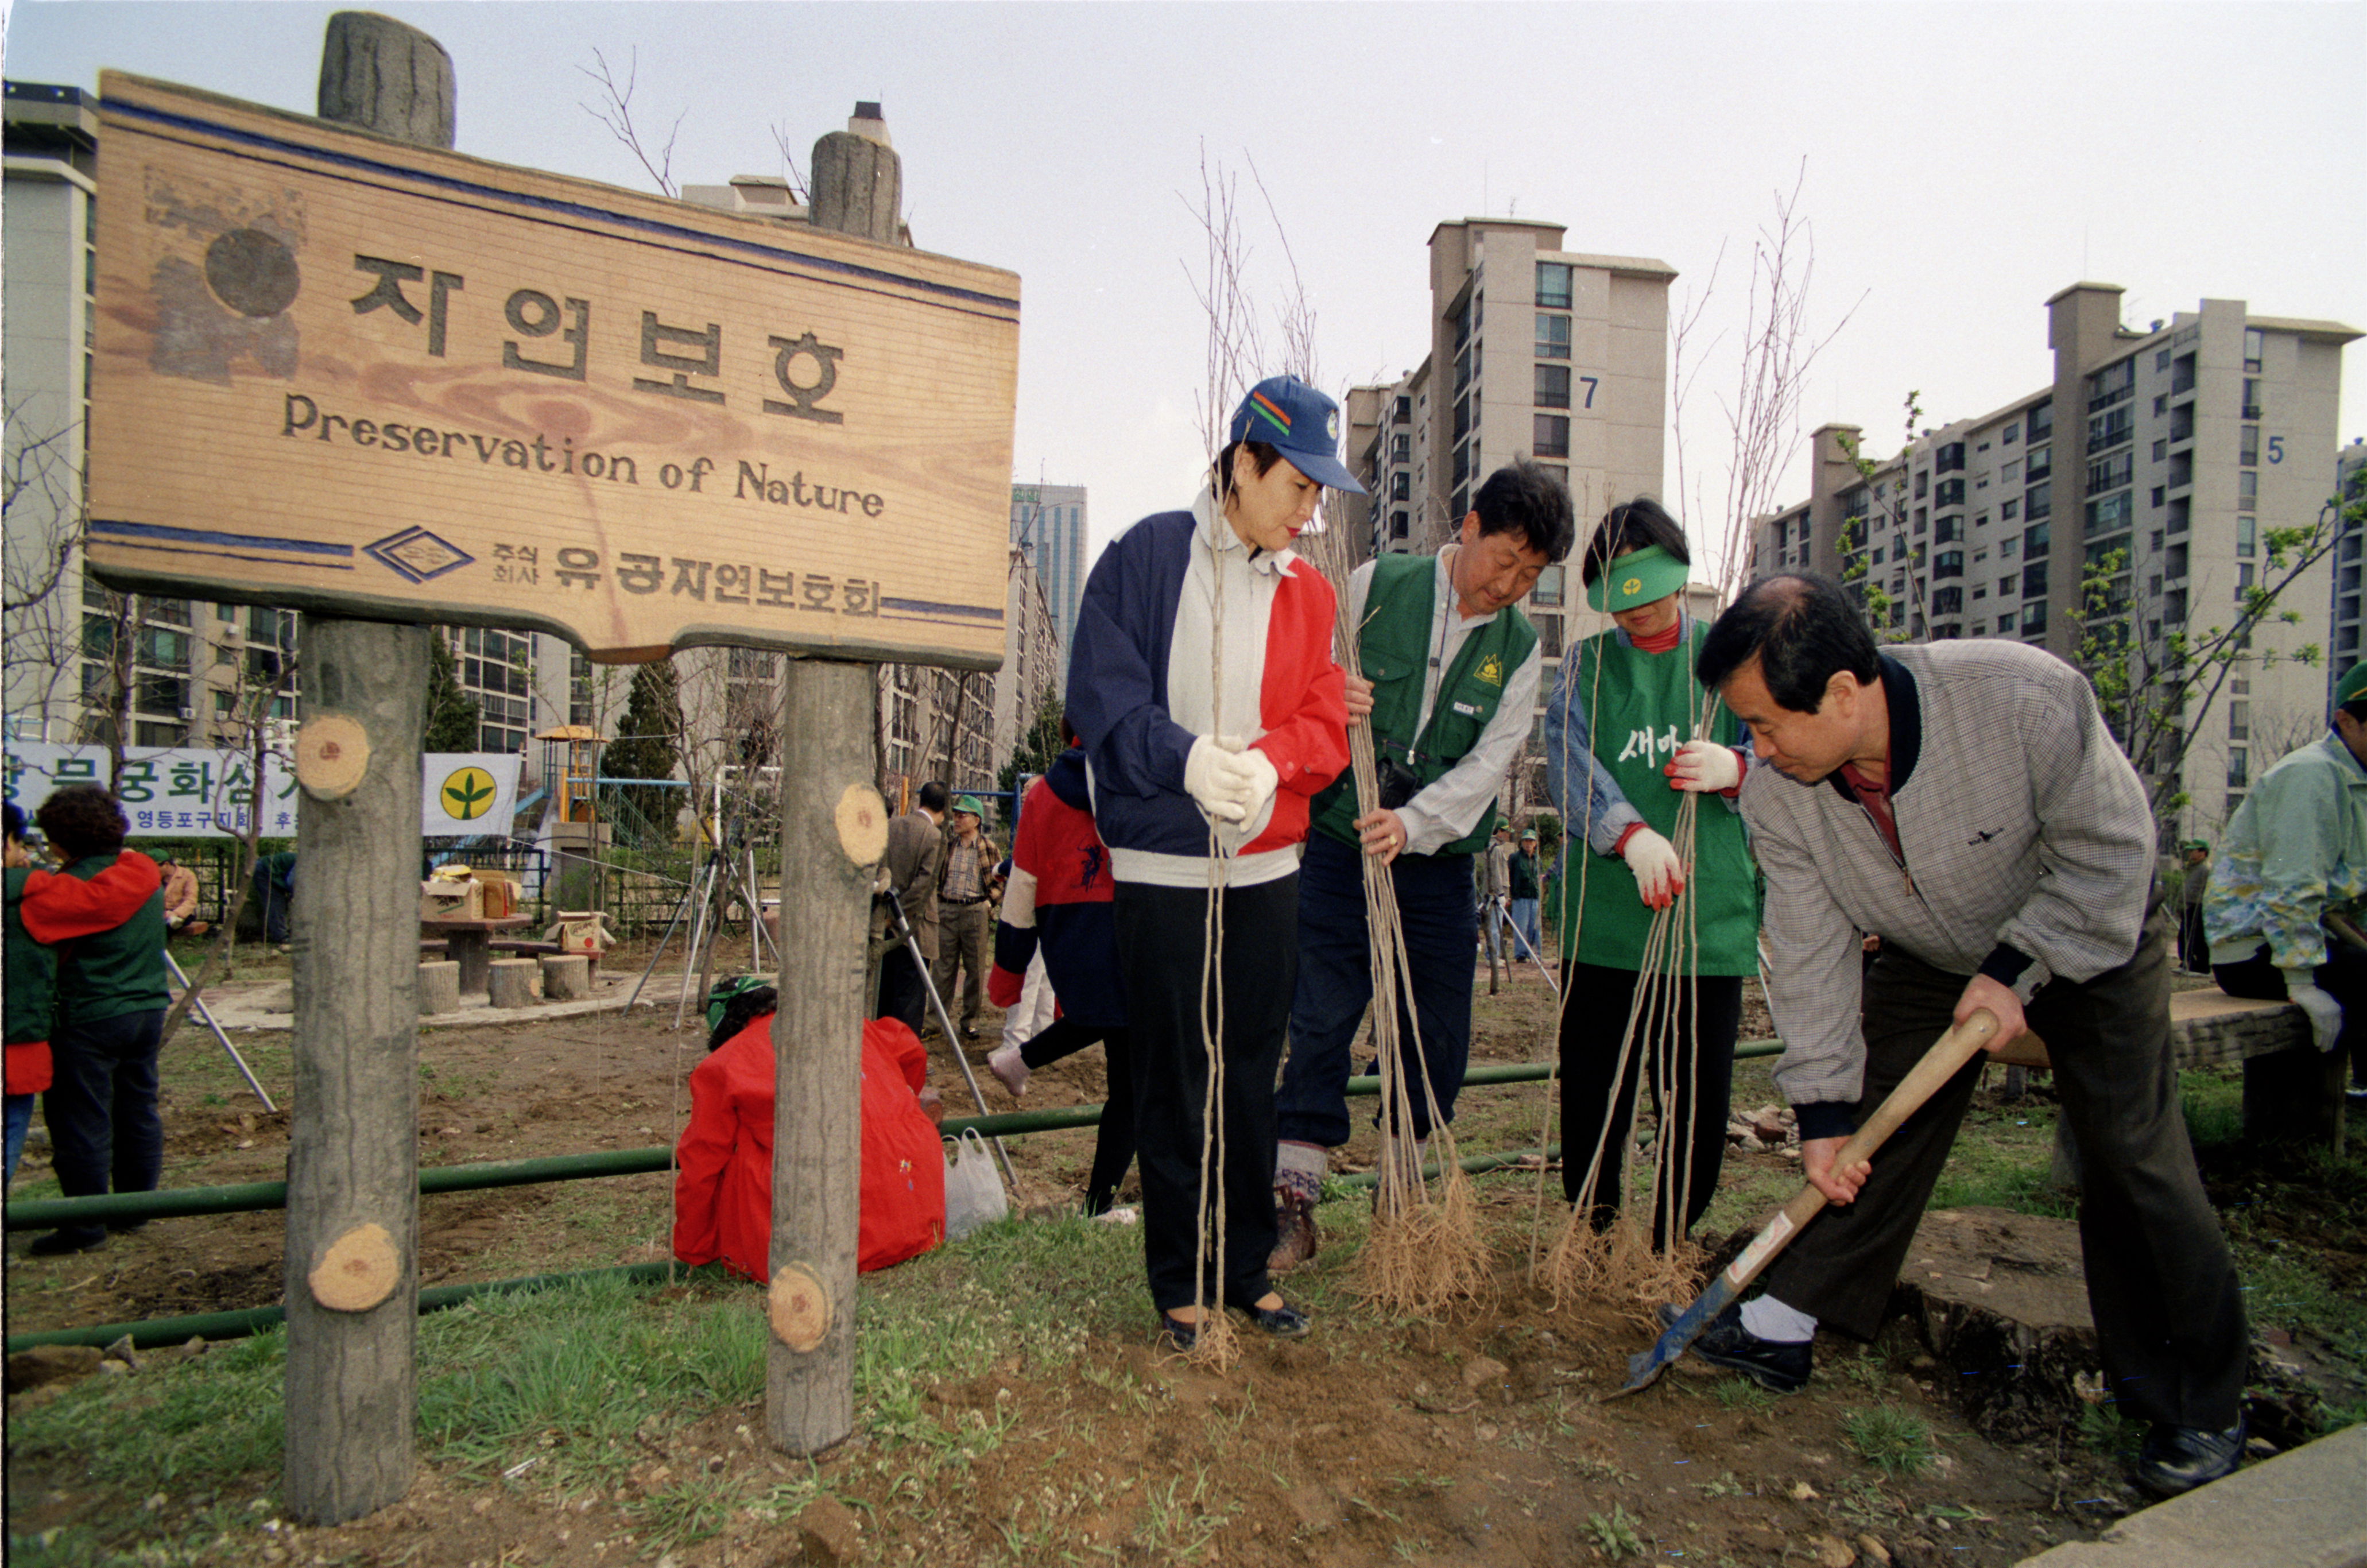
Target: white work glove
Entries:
(1660, 877)
(1217, 776)
(1263, 781)
(2325, 1012)
(1704, 766)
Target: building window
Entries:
(1947, 601)
(1922, 485)
(1553, 337)
(2008, 548)
(2005, 586)
(1401, 487)
(2181, 423)
(1550, 435)
(2253, 339)
(2007, 434)
(2238, 768)
(2111, 428)
(2113, 383)
(1403, 413)
(1553, 285)
(2110, 473)
(2181, 374)
(2243, 580)
(1950, 493)
(2251, 409)
(2034, 581)
(2038, 501)
(1948, 529)
(2008, 510)
(1950, 457)
(1548, 589)
(2247, 446)
(2239, 719)
(2181, 511)
(2005, 622)
(2246, 537)
(2040, 463)
(2108, 515)
(1400, 448)
(2034, 619)
(2041, 420)
(2248, 487)
(1552, 386)
(1948, 564)
(2173, 561)
(1400, 523)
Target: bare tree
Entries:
(615, 111)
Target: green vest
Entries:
(110, 973)
(1639, 709)
(31, 973)
(1393, 648)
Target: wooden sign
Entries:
(350, 375)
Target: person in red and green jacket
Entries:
(32, 987)
(104, 915)
(1619, 739)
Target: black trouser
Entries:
(1114, 1145)
(2342, 976)
(2169, 1321)
(901, 995)
(101, 1107)
(1161, 942)
(2193, 948)
(1684, 1044)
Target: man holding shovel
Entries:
(1965, 803)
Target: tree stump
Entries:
(439, 987)
(510, 982)
(566, 977)
(2001, 1300)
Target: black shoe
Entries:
(1284, 1321)
(2180, 1459)
(1770, 1363)
(1179, 1335)
(59, 1243)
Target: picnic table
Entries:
(471, 943)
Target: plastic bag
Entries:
(974, 1195)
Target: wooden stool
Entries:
(566, 977)
(510, 981)
(439, 986)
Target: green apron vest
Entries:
(1638, 713)
(110, 973)
(1393, 648)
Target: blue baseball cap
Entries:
(1301, 424)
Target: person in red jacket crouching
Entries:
(723, 1190)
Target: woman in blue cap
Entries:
(1202, 687)
(1618, 746)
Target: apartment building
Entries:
(2351, 484)
(2147, 475)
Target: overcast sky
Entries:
(1962, 164)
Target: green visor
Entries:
(1637, 579)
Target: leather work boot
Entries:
(1294, 1224)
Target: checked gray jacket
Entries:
(2027, 839)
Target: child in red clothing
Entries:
(723, 1190)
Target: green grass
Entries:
(1892, 1440)
(2106, 1431)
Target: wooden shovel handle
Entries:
(1942, 1062)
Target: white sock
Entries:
(1772, 1320)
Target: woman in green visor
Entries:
(1619, 750)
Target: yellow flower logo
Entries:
(1631, 586)
(468, 794)
(1492, 670)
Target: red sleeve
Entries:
(1308, 743)
(701, 1158)
(58, 907)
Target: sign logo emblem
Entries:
(1492, 670)
(1331, 424)
(1631, 586)
(466, 793)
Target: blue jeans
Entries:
(1336, 985)
(1524, 916)
(20, 1119)
(101, 1107)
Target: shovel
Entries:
(1940, 1064)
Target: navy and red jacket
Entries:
(1139, 695)
(1059, 894)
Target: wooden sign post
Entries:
(352, 372)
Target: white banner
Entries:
(198, 792)
(466, 793)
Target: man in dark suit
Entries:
(915, 849)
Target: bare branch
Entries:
(616, 112)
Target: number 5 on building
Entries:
(2276, 448)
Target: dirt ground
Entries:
(1476, 1439)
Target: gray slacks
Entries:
(2169, 1320)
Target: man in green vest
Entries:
(1449, 685)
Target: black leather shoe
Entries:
(1770, 1363)
(1179, 1335)
(1284, 1321)
(2180, 1459)
(58, 1244)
